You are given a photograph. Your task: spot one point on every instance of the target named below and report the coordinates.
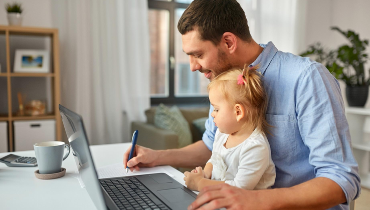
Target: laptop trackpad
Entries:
(175, 195)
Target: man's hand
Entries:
(318, 193)
(192, 179)
(188, 157)
(142, 157)
(224, 195)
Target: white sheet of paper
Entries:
(117, 170)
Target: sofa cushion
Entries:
(149, 113)
(200, 124)
(172, 119)
(191, 114)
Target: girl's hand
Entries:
(205, 175)
(192, 178)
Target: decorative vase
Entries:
(357, 95)
(15, 19)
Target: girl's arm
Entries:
(208, 170)
(207, 182)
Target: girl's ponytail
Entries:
(255, 96)
(253, 85)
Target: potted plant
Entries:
(346, 63)
(14, 13)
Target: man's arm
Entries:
(190, 156)
(324, 129)
(318, 193)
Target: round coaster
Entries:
(50, 176)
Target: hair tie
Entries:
(240, 79)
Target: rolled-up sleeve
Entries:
(209, 135)
(324, 129)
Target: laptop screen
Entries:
(77, 138)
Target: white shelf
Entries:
(365, 180)
(361, 111)
(359, 126)
(361, 145)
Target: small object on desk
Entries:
(18, 161)
(134, 138)
(50, 176)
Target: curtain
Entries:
(282, 22)
(104, 62)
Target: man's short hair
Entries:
(212, 18)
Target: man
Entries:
(310, 141)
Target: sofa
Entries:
(157, 138)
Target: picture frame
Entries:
(32, 61)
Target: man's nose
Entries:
(194, 65)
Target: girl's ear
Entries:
(239, 112)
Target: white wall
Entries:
(318, 21)
(347, 15)
(36, 13)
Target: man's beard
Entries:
(223, 64)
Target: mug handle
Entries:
(69, 149)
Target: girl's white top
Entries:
(247, 165)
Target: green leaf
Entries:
(14, 8)
(347, 61)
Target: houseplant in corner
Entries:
(347, 63)
(14, 14)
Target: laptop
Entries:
(150, 191)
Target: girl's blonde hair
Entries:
(245, 87)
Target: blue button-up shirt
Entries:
(310, 134)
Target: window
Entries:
(172, 82)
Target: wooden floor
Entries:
(363, 202)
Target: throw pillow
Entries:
(172, 119)
(200, 124)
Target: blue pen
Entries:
(134, 138)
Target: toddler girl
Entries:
(241, 154)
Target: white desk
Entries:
(20, 189)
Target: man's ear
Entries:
(230, 41)
(239, 112)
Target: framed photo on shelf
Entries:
(32, 61)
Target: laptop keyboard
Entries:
(129, 193)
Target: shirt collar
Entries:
(264, 59)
